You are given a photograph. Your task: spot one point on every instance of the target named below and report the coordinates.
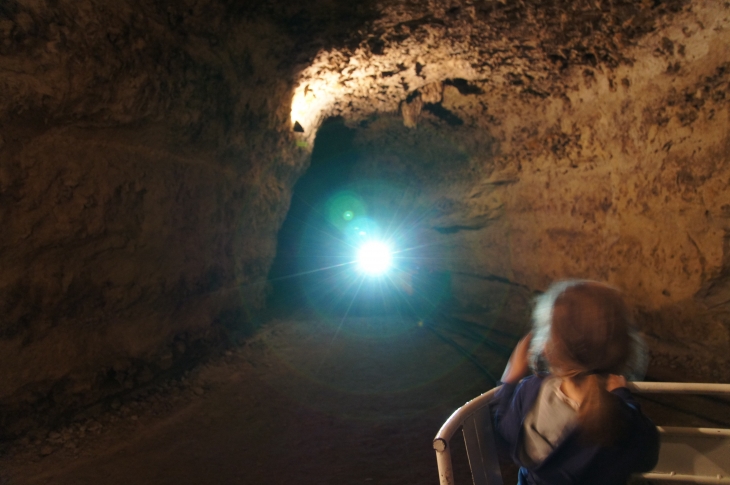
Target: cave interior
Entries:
(184, 187)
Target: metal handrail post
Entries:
(679, 388)
(443, 459)
(451, 426)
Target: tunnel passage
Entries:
(338, 207)
(149, 151)
(573, 152)
(307, 237)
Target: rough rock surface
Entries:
(148, 150)
(146, 164)
(595, 154)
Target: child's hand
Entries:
(614, 382)
(518, 365)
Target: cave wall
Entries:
(630, 185)
(148, 150)
(146, 163)
(620, 175)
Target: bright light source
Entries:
(374, 258)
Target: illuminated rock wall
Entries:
(148, 150)
(612, 171)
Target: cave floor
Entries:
(308, 400)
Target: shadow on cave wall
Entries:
(306, 236)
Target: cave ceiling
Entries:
(522, 48)
(206, 61)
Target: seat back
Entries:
(474, 418)
(481, 448)
(696, 455)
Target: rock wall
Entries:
(146, 164)
(148, 150)
(615, 172)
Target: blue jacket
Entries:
(573, 461)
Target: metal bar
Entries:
(666, 477)
(487, 448)
(447, 431)
(481, 449)
(705, 432)
(443, 459)
(473, 451)
(679, 388)
(452, 425)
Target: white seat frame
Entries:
(697, 455)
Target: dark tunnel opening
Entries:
(297, 253)
(335, 210)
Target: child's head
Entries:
(584, 327)
(589, 331)
(583, 332)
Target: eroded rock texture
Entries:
(148, 150)
(588, 141)
(145, 166)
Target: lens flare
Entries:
(374, 258)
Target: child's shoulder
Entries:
(535, 380)
(530, 386)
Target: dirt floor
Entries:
(308, 400)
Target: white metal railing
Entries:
(697, 455)
(476, 407)
(679, 388)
